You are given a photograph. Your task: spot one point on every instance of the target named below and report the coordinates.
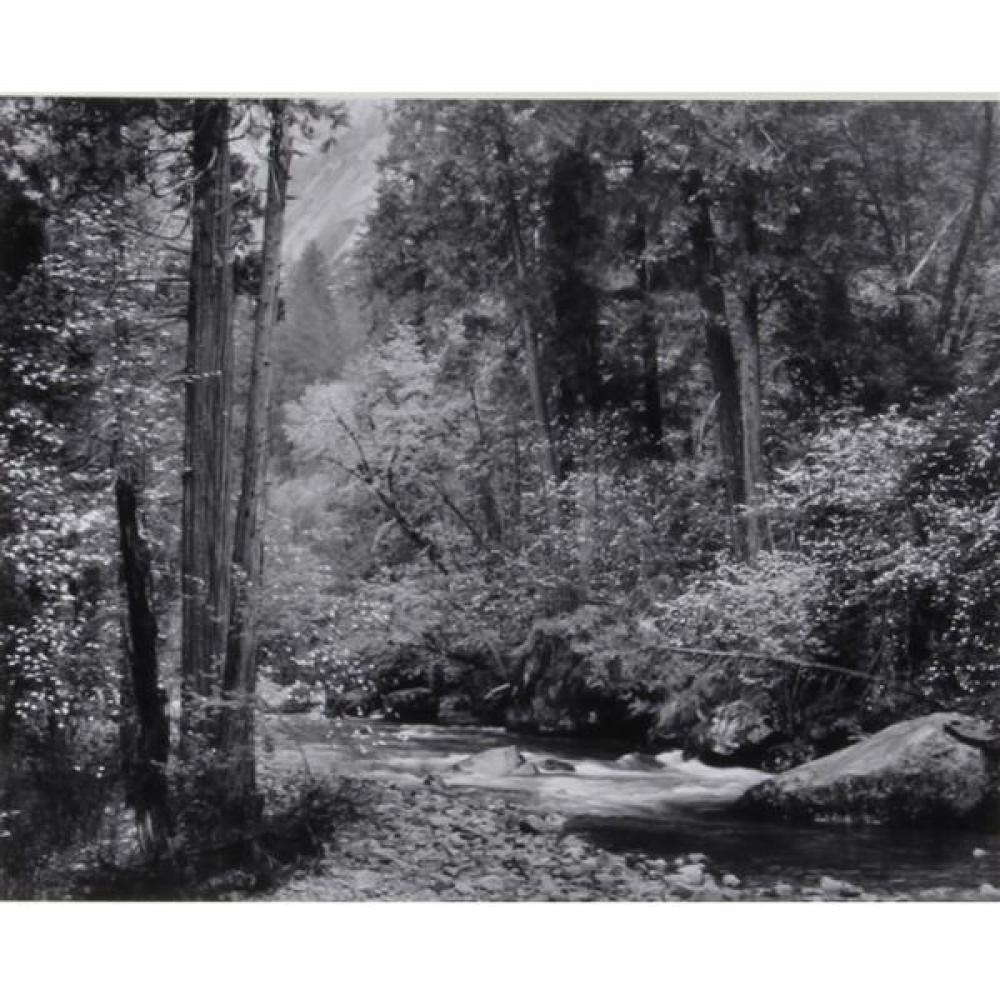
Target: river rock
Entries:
(499, 762)
(551, 764)
(910, 773)
(490, 883)
(691, 875)
(411, 705)
(298, 698)
(531, 824)
(737, 734)
(353, 703)
(529, 769)
(638, 762)
(838, 887)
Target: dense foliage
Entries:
(764, 336)
(619, 414)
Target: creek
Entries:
(654, 809)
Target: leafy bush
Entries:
(901, 516)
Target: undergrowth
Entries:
(204, 860)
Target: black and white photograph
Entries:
(500, 495)
(474, 499)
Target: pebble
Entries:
(837, 887)
(707, 894)
(692, 875)
(532, 824)
(400, 853)
(490, 883)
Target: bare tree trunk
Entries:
(968, 230)
(529, 335)
(652, 406)
(144, 726)
(206, 522)
(148, 759)
(239, 680)
(488, 505)
(721, 356)
(750, 378)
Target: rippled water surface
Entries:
(677, 808)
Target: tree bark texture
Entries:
(750, 379)
(239, 680)
(147, 757)
(721, 351)
(529, 334)
(652, 405)
(206, 522)
(980, 184)
(574, 234)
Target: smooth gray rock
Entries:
(638, 762)
(912, 773)
(547, 765)
(496, 763)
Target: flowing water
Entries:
(658, 808)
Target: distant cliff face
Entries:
(332, 192)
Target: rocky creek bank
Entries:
(426, 842)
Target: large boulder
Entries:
(571, 681)
(912, 773)
(418, 704)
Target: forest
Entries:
(666, 428)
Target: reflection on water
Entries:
(678, 809)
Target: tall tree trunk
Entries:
(722, 357)
(145, 728)
(239, 681)
(573, 225)
(968, 230)
(488, 506)
(750, 378)
(529, 335)
(206, 522)
(151, 746)
(652, 405)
